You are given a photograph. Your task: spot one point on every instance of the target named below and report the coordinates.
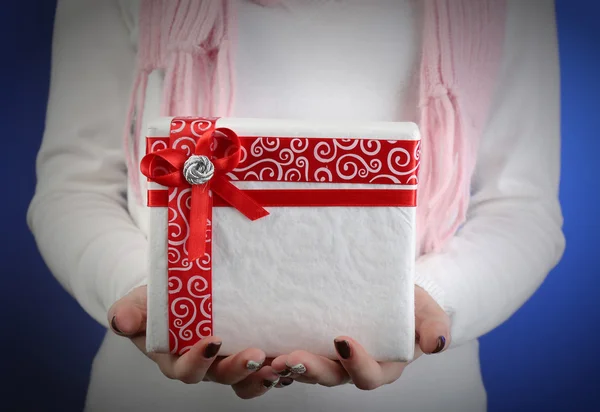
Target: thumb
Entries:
(432, 323)
(127, 316)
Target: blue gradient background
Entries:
(545, 358)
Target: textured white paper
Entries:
(301, 276)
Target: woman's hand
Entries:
(356, 366)
(244, 371)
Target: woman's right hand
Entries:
(246, 371)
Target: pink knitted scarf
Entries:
(192, 41)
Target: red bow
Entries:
(175, 160)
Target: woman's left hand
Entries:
(355, 364)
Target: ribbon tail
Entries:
(238, 199)
(199, 211)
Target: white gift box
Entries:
(307, 272)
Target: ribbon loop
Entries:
(164, 167)
(233, 152)
(204, 173)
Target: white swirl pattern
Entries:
(325, 149)
(204, 329)
(287, 155)
(275, 171)
(271, 159)
(299, 145)
(395, 160)
(353, 163)
(187, 144)
(192, 313)
(198, 127)
(366, 144)
(181, 225)
(261, 145)
(158, 145)
(185, 311)
(204, 263)
(172, 281)
(177, 125)
(197, 284)
(326, 172)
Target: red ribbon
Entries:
(173, 160)
(311, 198)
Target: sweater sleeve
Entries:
(78, 214)
(513, 234)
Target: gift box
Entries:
(281, 234)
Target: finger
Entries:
(127, 316)
(164, 361)
(431, 322)
(307, 367)
(233, 369)
(256, 384)
(365, 372)
(192, 366)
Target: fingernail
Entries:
(253, 366)
(286, 381)
(113, 325)
(441, 342)
(284, 373)
(212, 349)
(299, 369)
(269, 384)
(343, 348)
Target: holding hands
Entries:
(246, 371)
(250, 374)
(356, 366)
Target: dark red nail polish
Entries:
(115, 328)
(286, 381)
(285, 373)
(211, 350)
(441, 342)
(343, 348)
